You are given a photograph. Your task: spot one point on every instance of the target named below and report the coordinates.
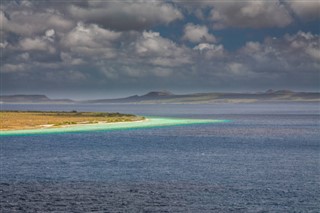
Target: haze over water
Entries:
(265, 159)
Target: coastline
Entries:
(148, 122)
(27, 120)
(81, 124)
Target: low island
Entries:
(27, 122)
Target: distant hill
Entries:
(31, 99)
(156, 94)
(168, 97)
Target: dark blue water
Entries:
(266, 159)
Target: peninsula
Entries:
(26, 122)
(22, 120)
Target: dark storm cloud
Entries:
(126, 15)
(30, 21)
(96, 45)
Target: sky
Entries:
(105, 49)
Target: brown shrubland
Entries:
(14, 120)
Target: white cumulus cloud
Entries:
(210, 50)
(91, 41)
(161, 51)
(36, 43)
(197, 33)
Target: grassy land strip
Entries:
(16, 120)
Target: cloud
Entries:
(197, 33)
(241, 14)
(50, 33)
(289, 61)
(306, 10)
(90, 40)
(45, 44)
(239, 69)
(250, 14)
(29, 23)
(69, 60)
(252, 47)
(210, 50)
(157, 50)
(162, 72)
(146, 56)
(23, 56)
(3, 44)
(37, 43)
(109, 44)
(7, 68)
(290, 53)
(306, 44)
(126, 15)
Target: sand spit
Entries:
(103, 126)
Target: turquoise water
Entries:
(148, 123)
(265, 160)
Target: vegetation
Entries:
(14, 120)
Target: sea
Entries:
(265, 159)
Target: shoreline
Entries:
(98, 123)
(148, 122)
(30, 120)
(52, 126)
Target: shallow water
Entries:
(148, 122)
(266, 159)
